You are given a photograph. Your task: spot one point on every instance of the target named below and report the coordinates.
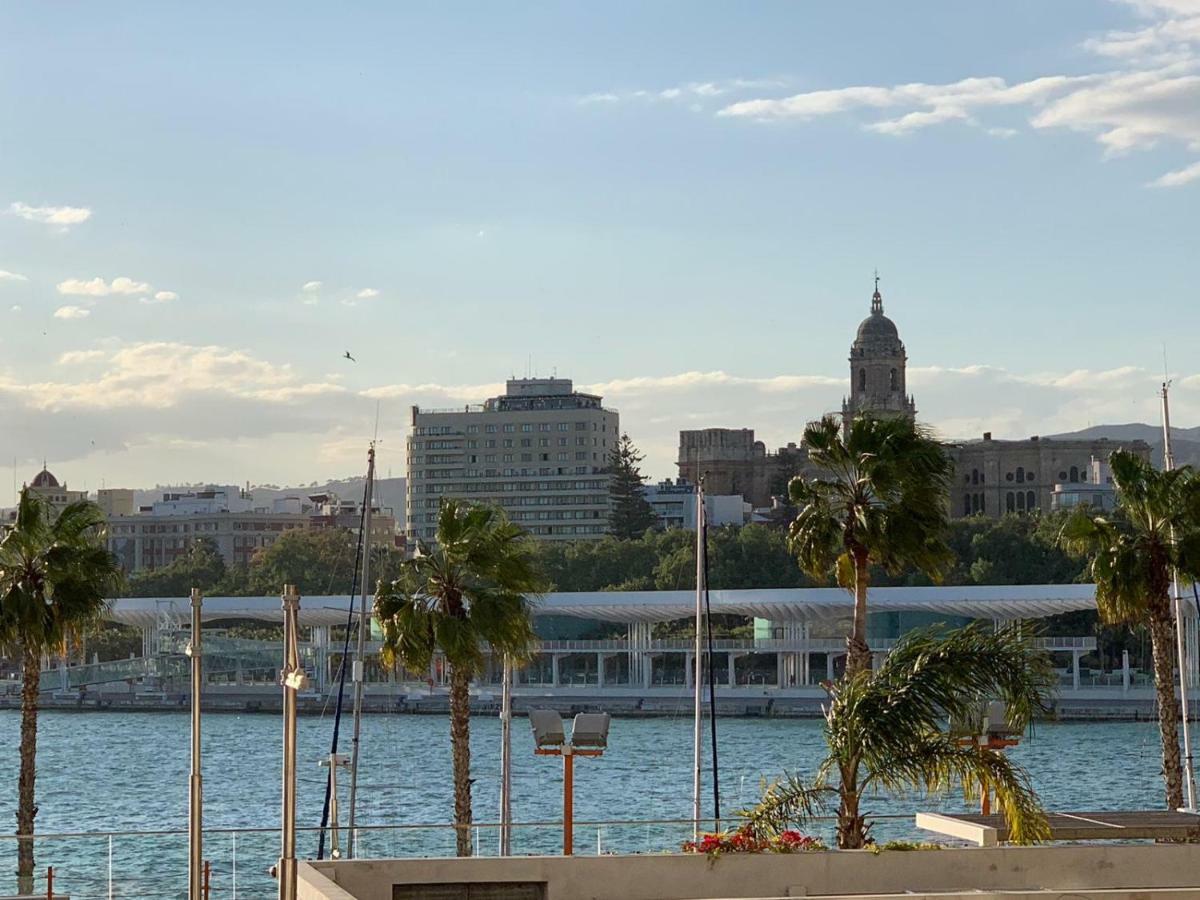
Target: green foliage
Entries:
(55, 575)
(880, 496)
(887, 730)
(201, 567)
(472, 587)
(630, 515)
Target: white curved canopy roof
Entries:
(1029, 601)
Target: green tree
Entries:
(887, 730)
(55, 574)
(201, 567)
(1130, 557)
(317, 561)
(472, 587)
(880, 498)
(630, 515)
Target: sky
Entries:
(680, 205)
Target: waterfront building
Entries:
(153, 540)
(991, 477)
(541, 451)
(674, 505)
(116, 501)
(328, 510)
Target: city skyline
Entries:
(201, 213)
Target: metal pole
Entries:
(506, 759)
(568, 800)
(292, 679)
(698, 661)
(1189, 774)
(195, 795)
(364, 622)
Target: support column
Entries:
(1075, 670)
(829, 667)
(554, 670)
(1125, 670)
(600, 657)
(732, 662)
(687, 670)
(779, 667)
(648, 671)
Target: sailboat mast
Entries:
(1189, 772)
(698, 659)
(364, 621)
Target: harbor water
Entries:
(109, 773)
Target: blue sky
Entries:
(679, 204)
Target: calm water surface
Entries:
(100, 772)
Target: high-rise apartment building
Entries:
(541, 451)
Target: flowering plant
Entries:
(744, 840)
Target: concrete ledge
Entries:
(1139, 869)
(313, 885)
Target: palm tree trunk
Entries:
(851, 824)
(460, 743)
(1162, 642)
(26, 808)
(858, 653)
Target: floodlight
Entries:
(547, 728)
(995, 719)
(590, 730)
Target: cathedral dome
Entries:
(876, 326)
(44, 479)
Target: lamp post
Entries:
(195, 795)
(589, 737)
(292, 679)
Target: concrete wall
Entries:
(1082, 868)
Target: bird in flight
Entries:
(349, 357)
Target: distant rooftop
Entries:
(528, 394)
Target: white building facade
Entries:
(674, 505)
(540, 451)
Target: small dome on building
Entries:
(44, 479)
(876, 326)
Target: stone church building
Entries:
(991, 477)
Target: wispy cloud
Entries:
(367, 294)
(61, 216)
(692, 91)
(72, 312)
(11, 276)
(98, 287)
(162, 297)
(1153, 97)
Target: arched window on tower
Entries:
(1010, 502)
(862, 379)
(1074, 474)
(1030, 501)
(1020, 502)
(974, 476)
(895, 381)
(1020, 474)
(967, 504)
(974, 503)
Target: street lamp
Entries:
(589, 737)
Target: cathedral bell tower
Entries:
(877, 368)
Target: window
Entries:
(544, 426)
(1074, 474)
(1020, 502)
(862, 379)
(1020, 475)
(1030, 501)
(1010, 502)
(974, 476)
(564, 426)
(472, 429)
(509, 428)
(894, 381)
(490, 429)
(525, 426)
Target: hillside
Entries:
(1184, 441)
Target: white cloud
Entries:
(311, 287)
(62, 216)
(1179, 177)
(76, 357)
(367, 294)
(162, 297)
(11, 276)
(16, 307)
(604, 97)
(691, 91)
(72, 312)
(1153, 97)
(98, 287)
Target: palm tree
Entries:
(888, 730)
(55, 574)
(880, 498)
(1156, 528)
(473, 587)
